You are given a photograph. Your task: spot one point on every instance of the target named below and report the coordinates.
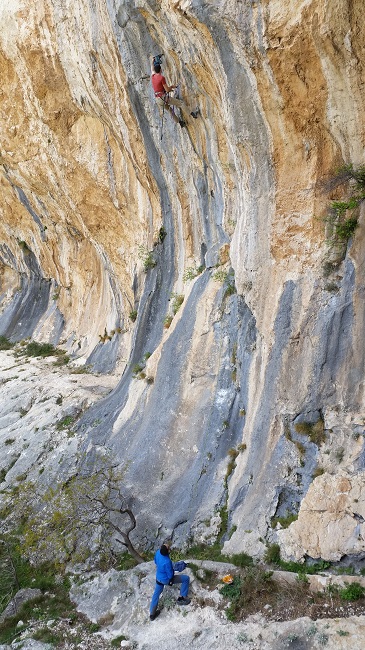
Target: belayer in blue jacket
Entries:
(165, 575)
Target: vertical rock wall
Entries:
(232, 391)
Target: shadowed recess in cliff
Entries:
(20, 318)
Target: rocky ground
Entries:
(113, 612)
(40, 401)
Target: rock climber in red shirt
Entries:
(161, 90)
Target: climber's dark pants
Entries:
(183, 579)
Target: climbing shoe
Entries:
(153, 616)
(183, 601)
(195, 113)
(182, 123)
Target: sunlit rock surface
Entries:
(89, 175)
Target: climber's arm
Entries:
(168, 88)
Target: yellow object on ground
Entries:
(227, 579)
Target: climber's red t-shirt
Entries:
(158, 80)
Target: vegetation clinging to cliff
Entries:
(75, 520)
(343, 214)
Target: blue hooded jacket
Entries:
(165, 568)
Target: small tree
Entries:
(78, 518)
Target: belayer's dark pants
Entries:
(183, 579)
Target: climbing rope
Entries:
(163, 113)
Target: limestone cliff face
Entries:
(266, 349)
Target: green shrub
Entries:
(341, 207)
(65, 423)
(272, 554)
(345, 229)
(252, 585)
(167, 322)
(313, 430)
(133, 315)
(147, 257)
(353, 591)
(5, 344)
(232, 590)
(177, 300)
(230, 290)
(34, 349)
(162, 234)
(241, 560)
(115, 643)
(192, 272)
(220, 275)
(94, 627)
(284, 521)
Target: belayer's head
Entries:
(157, 67)
(166, 545)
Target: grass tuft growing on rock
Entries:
(284, 521)
(343, 214)
(313, 430)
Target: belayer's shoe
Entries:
(153, 616)
(183, 601)
(182, 123)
